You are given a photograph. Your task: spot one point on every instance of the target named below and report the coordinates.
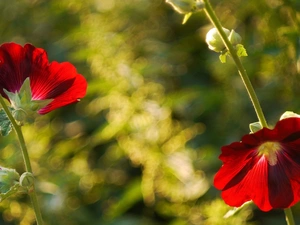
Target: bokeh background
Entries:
(142, 147)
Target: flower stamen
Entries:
(269, 149)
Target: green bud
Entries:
(234, 38)
(289, 114)
(186, 6)
(214, 40)
(254, 127)
(19, 115)
(199, 5)
(27, 180)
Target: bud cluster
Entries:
(215, 42)
(186, 6)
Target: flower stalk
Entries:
(18, 130)
(244, 76)
(289, 216)
(243, 73)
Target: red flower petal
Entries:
(247, 175)
(57, 81)
(68, 88)
(14, 67)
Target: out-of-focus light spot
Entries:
(73, 203)
(56, 125)
(47, 187)
(74, 7)
(79, 165)
(74, 129)
(16, 209)
(86, 182)
(6, 152)
(274, 3)
(56, 163)
(104, 5)
(56, 202)
(117, 177)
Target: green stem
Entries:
(215, 21)
(289, 216)
(18, 130)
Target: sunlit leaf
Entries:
(223, 57)
(186, 17)
(5, 124)
(241, 51)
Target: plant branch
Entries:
(18, 130)
(243, 73)
(289, 216)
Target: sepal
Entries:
(22, 104)
(254, 127)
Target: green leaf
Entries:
(8, 178)
(240, 50)
(13, 190)
(236, 210)
(131, 196)
(5, 124)
(223, 57)
(186, 17)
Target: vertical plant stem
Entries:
(289, 216)
(215, 21)
(18, 130)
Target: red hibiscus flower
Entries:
(57, 82)
(263, 167)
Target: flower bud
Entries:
(183, 6)
(254, 127)
(289, 114)
(20, 115)
(27, 180)
(214, 40)
(199, 5)
(234, 38)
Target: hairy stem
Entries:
(18, 131)
(243, 73)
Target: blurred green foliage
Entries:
(142, 147)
